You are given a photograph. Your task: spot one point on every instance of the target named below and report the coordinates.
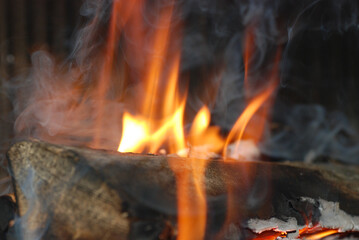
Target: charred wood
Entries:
(96, 194)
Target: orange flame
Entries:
(159, 121)
(121, 13)
(248, 53)
(134, 135)
(257, 107)
(316, 232)
(240, 126)
(202, 134)
(253, 109)
(192, 207)
(151, 129)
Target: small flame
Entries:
(257, 107)
(202, 134)
(240, 126)
(134, 135)
(201, 121)
(151, 128)
(122, 10)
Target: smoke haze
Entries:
(56, 102)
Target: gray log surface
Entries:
(78, 193)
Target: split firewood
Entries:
(79, 193)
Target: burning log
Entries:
(69, 192)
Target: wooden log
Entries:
(69, 192)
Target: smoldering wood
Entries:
(91, 194)
(330, 217)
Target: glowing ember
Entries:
(322, 234)
(312, 233)
(270, 236)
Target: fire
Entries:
(134, 135)
(121, 13)
(316, 232)
(153, 110)
(310, 233)
(240, 126)
(202, 134)
(257, 106)
(157, 123)
(192, 207)
(322, 234)
(155, 117)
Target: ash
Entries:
(331, 217)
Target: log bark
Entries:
(78, 193)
